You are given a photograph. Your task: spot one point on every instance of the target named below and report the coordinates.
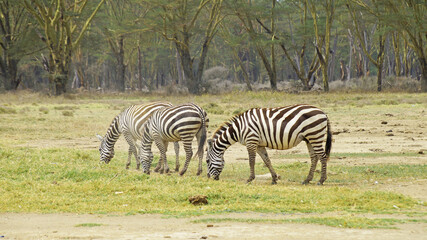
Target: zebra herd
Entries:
(258, 128)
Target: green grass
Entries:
(341, 222)
(49, 162)
(88, 225)
(67, 180)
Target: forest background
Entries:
(198, 46)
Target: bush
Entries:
(6, 110)
(44, 110)
(68, 113)
(215, 72)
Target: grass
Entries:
(88, 225)
(341, 222)
(49, 162)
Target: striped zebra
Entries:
(130, 122)
(170, 124)
(276, 128)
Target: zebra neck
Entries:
(113, 132)
(225, 139)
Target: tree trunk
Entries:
(11, 75)
(180, 79)
(423, 64)
(187, 66)
(351, 42)
(380, 62)
(244, 71)
(379, 77)
(121, 68)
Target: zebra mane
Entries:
(114, 128)
(225, 125)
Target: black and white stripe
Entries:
(276, 128)
(171, 124)
(130, 122)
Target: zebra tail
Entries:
(328, 145)
(203, 136)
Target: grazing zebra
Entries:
(130, 122)
(171, 124)
(276, 128)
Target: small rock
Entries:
(204, 237)
(421, 152)
(167, 237)
(209, 225)
(389, 134)
(384, 122)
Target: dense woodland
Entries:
(57, 46)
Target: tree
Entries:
(322, 32)
(299, 45)
(62, 32)
(408, 17)
(247, 14)
(13, 29)
(181, 23)
(357, 18)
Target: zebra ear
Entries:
(99, 137)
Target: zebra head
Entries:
(214, 161)
(145, 157)
(106, 152)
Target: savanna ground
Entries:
(53, 187)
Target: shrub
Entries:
(68, 113)
(44, 110)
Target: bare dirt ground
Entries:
(405, 136)
(65, 226)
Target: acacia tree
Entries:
(298, 56)
(248, 13)
(322, 32)
(62, 30)
(13, 29)
(360, 33)
(408, 17)
(181, 23)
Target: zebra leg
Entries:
(264, 155)
(199, 170)
(162, 148)
(176, 147)
(166, 166)
(323, 175)
(188, 154)
(314, 160)
(132, 150)
(252, 148)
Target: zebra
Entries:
(130, 122)
(275, 128)
(177, 123)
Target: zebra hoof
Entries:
(273, 183)
(320, 183)
(305, 182)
